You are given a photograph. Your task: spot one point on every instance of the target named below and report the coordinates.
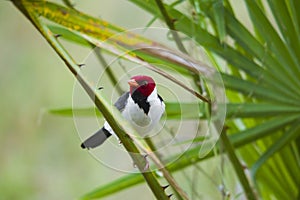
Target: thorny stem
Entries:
(109, 72)
(68, 3)
(138, 159)
(237, 166)
(170, 23)
(165, 172)
(153, 151)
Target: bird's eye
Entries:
(144, 83)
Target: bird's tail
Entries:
(97, 139)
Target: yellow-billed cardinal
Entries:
(141, 106)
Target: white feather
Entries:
(141, 122)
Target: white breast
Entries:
(141, 122)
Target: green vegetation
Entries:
(259, 64)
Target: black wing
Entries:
(122, 101)
(161, 99)
(97, 139)
(101, 135)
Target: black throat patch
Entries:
(141, 101)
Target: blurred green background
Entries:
(40, 154)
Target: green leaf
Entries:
(68, 35)
(174, 111)
(274, 42)
(207, 40)
(295, 16)
(256, 90)
(273, 76)
(262, 130)
(196, 140)
(190, 157)
(114, 186)
(255, 110)
(70, 112)
(96, 31)
(284, 22)
(185, 111)
(219, 18)
(286, 138)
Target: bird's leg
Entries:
(146, 167)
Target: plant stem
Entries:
(68, 3)
(170, 23)
(138, 159)
(167, 175)
(109, 72)
(237, 166)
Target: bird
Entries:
(142, 106)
